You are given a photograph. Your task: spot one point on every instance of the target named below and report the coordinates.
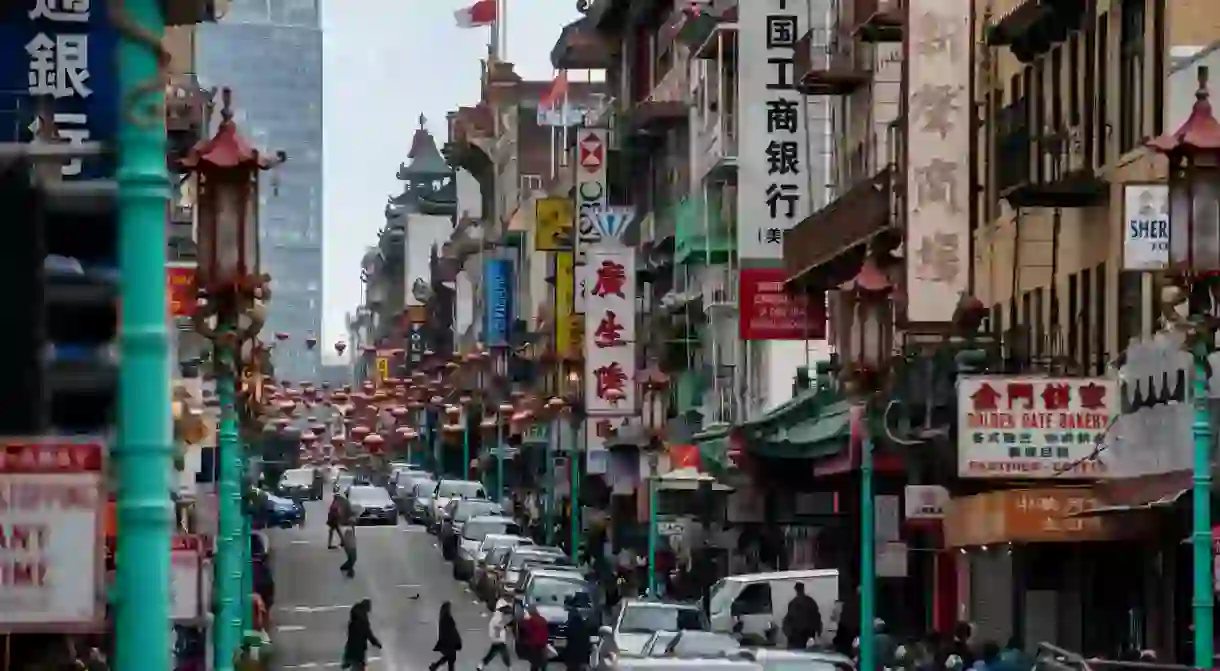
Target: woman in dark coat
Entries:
(448, 639)
(359, 636)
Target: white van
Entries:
(759, 601)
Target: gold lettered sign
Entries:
(553, 221)
(569, 327)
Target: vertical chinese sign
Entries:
(592, 198)
(609, 328)
(417, 316)
(51, 567)
(938, 200)
(180, 280)
(773, 192)
(497, 304)
(569, 327)
(553, 222)
(58, 66)
(1034, 427)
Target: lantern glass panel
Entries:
(1194, 218)
(230, 212)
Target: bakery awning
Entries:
(816, 250)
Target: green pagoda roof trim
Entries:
(426, 159)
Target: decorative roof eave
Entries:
(1199, 133)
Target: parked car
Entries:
(454, 518)
(419, 503)
(779, 659)
(550, 592)
(485, 582)
(301, 484)
(397, 470)
(372, 505)
(447, 490)
(636, 620)
(277, 512)
(520, 561)
(474, 532)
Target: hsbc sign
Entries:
(592, 196)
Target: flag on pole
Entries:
(481, 13)
(557, 93)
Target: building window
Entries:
(530, 184)
(1131, 75)
(1101, 280)
(1130, 308)
(1085, 318)
(1074, 79)
(1057, 89)
(1073, 334)
(1158, 67)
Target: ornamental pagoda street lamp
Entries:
(230, 313)
(865, 341)
(654, 392)
(1194, 257)
(553, 411)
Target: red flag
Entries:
(481, 13)
(555, 95)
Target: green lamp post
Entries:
(465, 402)
(654, 392)
(503, 412)
(865, 346)
(144, 452)
(226, 170)
(554, 409)
(1194, 259)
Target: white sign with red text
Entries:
(185, 559)
(51, 500)
(610, 331)
(1034, 427)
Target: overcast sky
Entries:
(385, 62)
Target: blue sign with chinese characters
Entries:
(497, 301)
(59, 63)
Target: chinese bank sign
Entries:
(58, 64)
(498, 303)
(1034, 427)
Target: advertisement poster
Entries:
(768, 312)
(180, 278)
(51, 524)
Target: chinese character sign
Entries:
(1034, 427)
(772, 194)
(938, 174)
(58, 68)
(610, 332)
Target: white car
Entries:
(446, 491)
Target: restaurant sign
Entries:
(1034, 427)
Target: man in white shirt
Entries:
(497, 631)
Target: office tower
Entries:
(270, 53)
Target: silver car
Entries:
(446, 491)
(475, 531)
(636, 620)
(419, 503)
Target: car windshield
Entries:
(344, 479)
(556, 591)
(468, 509)
(424, 489)
(461, 488)
(368, 496)
(701, 644)
(521, 559)
(298, 476)
(645, 618)
(496, 556)
(477, 529)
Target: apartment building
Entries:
(1067, 98)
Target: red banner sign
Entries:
(180, 286)
(768, 312)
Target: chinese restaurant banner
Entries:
(553, 221)
(180, 285)
(610, 331)
(938, 131)
(1034, 427)
(768, 312)
(53, 562)
(772, 193)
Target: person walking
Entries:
(497, 633)
(334, 522)
(359, 636)
(803, 621)
(448, 639)
(533, 639)
(576, 654)
(348, 568)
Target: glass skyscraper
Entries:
(269, 52)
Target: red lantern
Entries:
(311, 342)
(340, 347)
(281, 336)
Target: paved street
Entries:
(395, 564)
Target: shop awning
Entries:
(1146, 493)
(1034, 515)
(842, 229)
